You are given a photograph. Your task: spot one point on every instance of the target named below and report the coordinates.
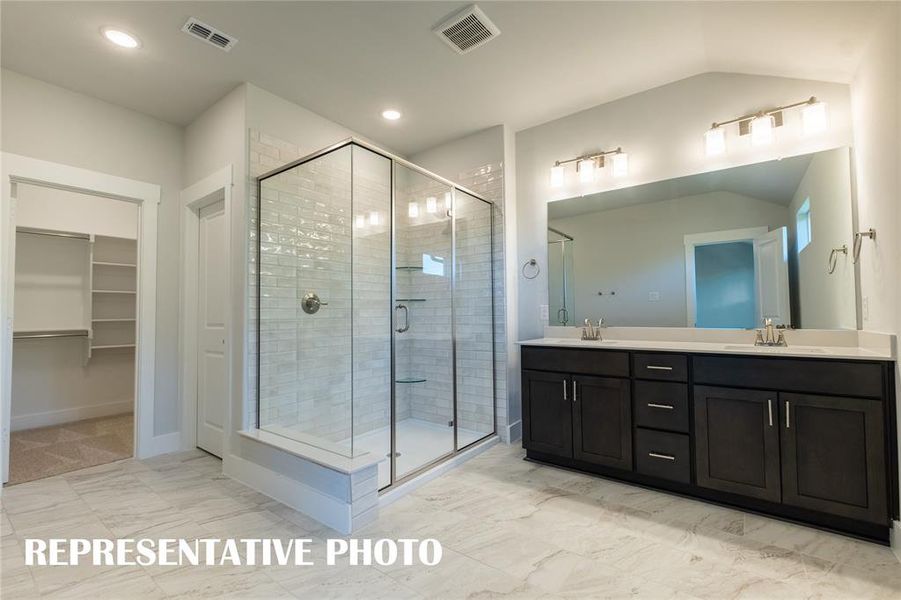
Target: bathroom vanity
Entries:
(802, 434)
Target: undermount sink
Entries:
(795, 349)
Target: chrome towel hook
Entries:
(833, 258)
(858, 240)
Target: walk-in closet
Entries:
(74, 323)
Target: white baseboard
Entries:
(326, 509)
(69, 415)
(514, 432)
(895, 539)
(166, 443)
(405, 488)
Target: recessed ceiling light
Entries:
(120, 38)
(391, 114)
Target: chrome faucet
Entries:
(591, 332)
(768, 335)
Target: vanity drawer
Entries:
(660, 405)
(576, 360)
(663, 455)
(669, 367)
(814, 376)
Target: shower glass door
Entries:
(423, 322)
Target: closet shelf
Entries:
(114, 291)
(122, 320)
(111, 346)
(101, 263)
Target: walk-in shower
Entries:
(376, 309)
(561, 278)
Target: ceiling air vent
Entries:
(467, 30)
(209, 34)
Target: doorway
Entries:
(100, 310)
(205, 317)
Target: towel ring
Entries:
(531, 263)
(833, 258)
(858, 240)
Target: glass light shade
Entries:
(413, 210)
(374, 218)
(557, 175)
(586, 170)
(715, 140)
(761, 130)
(431, 205)
(813, 118)
(360, 221)
(121, 38)
(620, 164)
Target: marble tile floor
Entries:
(509, 528)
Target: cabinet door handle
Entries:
(788, 415)
(575, 392)
(769, 407)
(661, 456)
(663, 406)
(565, 397)
(659, 368)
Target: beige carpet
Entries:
(47, 451)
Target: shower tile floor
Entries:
(418, 443)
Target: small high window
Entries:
(805, 235)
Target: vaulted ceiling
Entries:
(349, 60)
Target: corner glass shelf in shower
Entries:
(410, 380)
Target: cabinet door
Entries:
(547, 413)
(737, 441)
(833, 456)
(602, 421)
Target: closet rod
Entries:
(58, 333)
(52, 233)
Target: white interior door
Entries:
(771, 272)
(211, 329)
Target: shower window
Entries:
(376, 310)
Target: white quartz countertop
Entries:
(844, 352)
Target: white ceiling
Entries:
(773, 181)
(349, 60)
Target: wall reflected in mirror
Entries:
(723, 249)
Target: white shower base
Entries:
(418, 443)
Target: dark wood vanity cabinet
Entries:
(737, 441)
(833, 456)
(812, 440)
(578, 416)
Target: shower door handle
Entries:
(406, 318)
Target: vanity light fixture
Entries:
(360, 221)
(413, 210)
(431, 205)
(762, 130)
(587, 166)
(374, 218)
(761, 125)
(715, 140)
(813, 118)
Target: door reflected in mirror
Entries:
(724, 249)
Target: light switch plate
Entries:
(544, 313)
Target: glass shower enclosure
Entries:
(375, 309)
(561, 278)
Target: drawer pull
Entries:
(661, 456)
(659, 368)
(663, 406)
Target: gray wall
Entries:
(44, 121)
